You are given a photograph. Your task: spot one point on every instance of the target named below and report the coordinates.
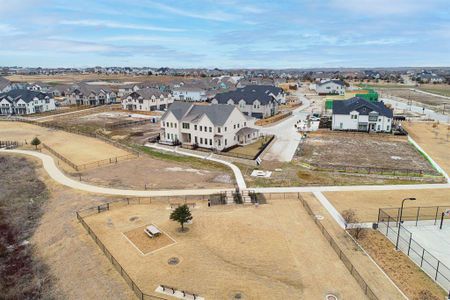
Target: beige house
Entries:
(213, 126)
(147, 99)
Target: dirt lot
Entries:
(408, 94)
(158, 174)
(435, 141)
(79, 269)
(407, 275)
(367, 203)
(290, 174)
(271, 252)
(79, 149)
(108, 123)
(328, 149)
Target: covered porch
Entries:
(247, 135)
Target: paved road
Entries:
(287, 136)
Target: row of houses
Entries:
(24, 102)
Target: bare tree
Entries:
(355, 230)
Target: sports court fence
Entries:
(345, 260)
(389, 225)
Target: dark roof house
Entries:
(25, 95)
(362, 106)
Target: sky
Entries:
(225, 33)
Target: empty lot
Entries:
(434, 140)
(330, 150)
(271, 252)
(79, 149)
(152, 173)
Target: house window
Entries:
(387, 128)
(201, 128)
(175, 125)
(225, 129)
(378, 128)
(341, 125)
(195, 127)
(210, 142)
(201, 140)
(185, 125)
(196, 141)
(210, 129)
(218, 129)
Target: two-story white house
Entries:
(25, 102)
(358, 114)
(147, 99)
(87, 94)
(253, 100)
(212, 126)
(189, 92)
(329, 87)
(126, 89)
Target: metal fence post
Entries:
(417, 217)
(437, 270)
(435, 217)
(421, 260)
(409, 244)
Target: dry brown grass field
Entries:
(367, 203)
(274, 251)
(71, 78)
(77, 148)
(434, 140)
(154, 173)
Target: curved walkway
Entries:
(237, 172)
(57, 175)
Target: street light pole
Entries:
(400, 221)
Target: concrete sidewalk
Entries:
(56, 174)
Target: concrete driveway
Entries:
(287, 136)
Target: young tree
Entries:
(35, 142)
(356, 230)
(182, 215)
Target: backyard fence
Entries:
(345, 260)
(371, 170)
(60, 156)
(10, 144)
(389, 225)
(99, 163)
(68, 129)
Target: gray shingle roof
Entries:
(187, 112)
(147, 93)
(4, 83)
(364, 107)
(340, 82)
(249, 94)
(25, 95)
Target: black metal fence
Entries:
(121, 203)
(10, 144)
(345, 260)
(395, 231)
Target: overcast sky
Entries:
(225, 33)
